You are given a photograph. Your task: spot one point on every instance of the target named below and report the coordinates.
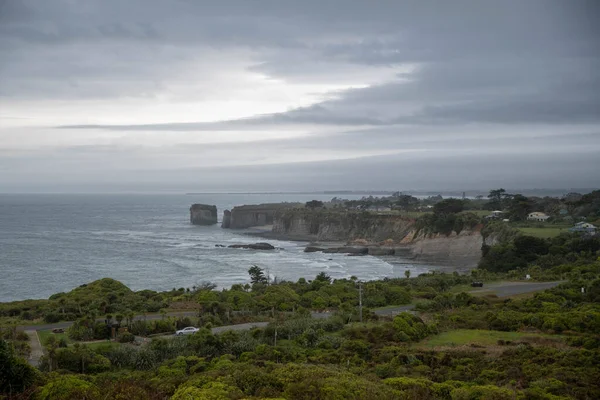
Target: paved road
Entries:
(506, 289)
(394, 310)
(37, 351)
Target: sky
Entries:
(238, 95)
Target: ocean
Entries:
(52, 243)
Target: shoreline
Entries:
(402, 252)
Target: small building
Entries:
(537, 216)
(379, 208)
(584, 227)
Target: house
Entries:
(494, 215)
(379, 208)
(537, 216)
(584, 227)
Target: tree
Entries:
(257, 275)
(497, 199)
(314, 204)
(496, 195)
(323, 277)
(69, 387)
(519, 207)
(449, 206)
(15, 374)
(407, 273)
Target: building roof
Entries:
(537, 214)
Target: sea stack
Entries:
(226, 219)
(203, 214)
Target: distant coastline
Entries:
(420, 193)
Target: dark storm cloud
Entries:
(460, 75)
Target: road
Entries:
(37, 351)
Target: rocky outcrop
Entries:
(203, 214)
(226, 219)
(355, 250)
(333, 225)
(248, 216)
(463, 249)
(253, 246)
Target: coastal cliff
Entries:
(462, 248)
(203, 214)
(248, 216)
(383, 234)
(333, 225)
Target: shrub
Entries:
(126, 337)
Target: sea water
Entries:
(52, 243)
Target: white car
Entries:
(190, 330)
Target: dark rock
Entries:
(203, 214)
(313, 249)
(346, 250)
(381, 251)
(226, 224)
(220, 245)
(353, 250)
(253, 246)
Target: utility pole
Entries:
(360, 301)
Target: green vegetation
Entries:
(454, 345)
(525, 251)
(457, 346)
(45, 335)
(462, 337)
(545, 232)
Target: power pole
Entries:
(360, 301)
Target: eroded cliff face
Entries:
(203, 214)
(249, 216)
(462, 249)
(385, 232)
(328, 225)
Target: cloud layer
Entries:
(313, 94)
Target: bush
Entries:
(126, 337)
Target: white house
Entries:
(537, 216)
(584, 227)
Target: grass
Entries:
(46, 334)
(479, 213)
(544, 233)
(103, 344)
(390, 307)
(461, 337)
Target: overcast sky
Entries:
(238, 95)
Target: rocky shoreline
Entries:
(352, 233)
